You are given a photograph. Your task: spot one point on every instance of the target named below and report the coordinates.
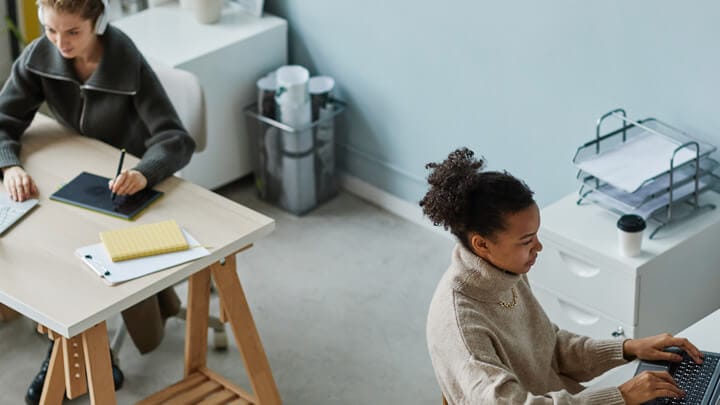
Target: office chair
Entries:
(186, 95)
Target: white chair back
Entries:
(186, 95)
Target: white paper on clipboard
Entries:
(97, 259)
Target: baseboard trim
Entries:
(388, 202)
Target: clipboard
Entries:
(91, 191)
(96, 258)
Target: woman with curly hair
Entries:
(490, 342)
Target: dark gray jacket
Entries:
(122, 104)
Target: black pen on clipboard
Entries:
(119, 169)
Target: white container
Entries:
(630, 234)
(207, 11)
(292, 85)
(320, 88)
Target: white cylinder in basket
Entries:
(292, 85)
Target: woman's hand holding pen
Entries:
(18, 183)
(128, 182)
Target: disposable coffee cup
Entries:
(630, 234)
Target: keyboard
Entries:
(11, 211)
(693, 379)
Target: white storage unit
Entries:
(228, 57)
(587, 287)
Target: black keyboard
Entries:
(692, 378)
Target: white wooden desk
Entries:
(702, 334)
(43, 280)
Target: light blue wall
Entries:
(520, 82)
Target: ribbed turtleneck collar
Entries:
(478, 279)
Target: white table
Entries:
(228, 57)
(43, 280)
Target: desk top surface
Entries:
(590, 226)
(40, 276)
(172, 35)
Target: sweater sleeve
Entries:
(169, 147)
(582, 358)
(488, 382)
(20, 99)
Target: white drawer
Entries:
(591, 280)
(577, 319)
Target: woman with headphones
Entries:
(95, 82)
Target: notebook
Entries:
(91, 191)
(143, 240)
(97, 260)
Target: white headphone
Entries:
(100, 24)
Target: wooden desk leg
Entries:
(75, 378)
(98, 366)
(54, 388)
(246, 335)
(196, 328)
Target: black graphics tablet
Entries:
(91, 191)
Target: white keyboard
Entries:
(11, 211)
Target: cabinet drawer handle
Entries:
(578, 315)
(579, 267)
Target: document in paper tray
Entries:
(633, 162)
(648, 209)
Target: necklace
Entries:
(512, 304)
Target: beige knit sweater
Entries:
(487, 353)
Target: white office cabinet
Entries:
(228, 57)
(587, 287)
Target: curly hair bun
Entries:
(465, 199)
(451, 181)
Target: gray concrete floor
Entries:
(339, 297)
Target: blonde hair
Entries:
(87, 9)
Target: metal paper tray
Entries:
(638, 152)
(653, 188)
(646, 210)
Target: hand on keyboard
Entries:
(11, 211)
(18, 183)
(649, 385)
(654, 348)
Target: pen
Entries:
(119, 169)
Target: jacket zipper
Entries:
(82, 88)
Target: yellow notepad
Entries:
(143, 240)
